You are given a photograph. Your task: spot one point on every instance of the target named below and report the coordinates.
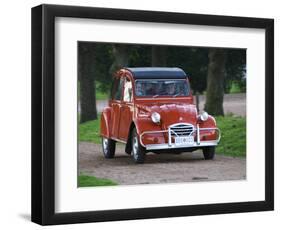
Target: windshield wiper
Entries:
(177, 94)
(155, 95)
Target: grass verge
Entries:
(90, 131)
(87, 181)
(233, 139)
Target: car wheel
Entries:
(209, 152)
(108, 147)
(138, 151)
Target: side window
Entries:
(127, 91)
(117, 92)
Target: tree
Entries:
(235, 69)
(158, 54)
(104, 60)
(215, 81)
(194, 62)
(121, 57)
(140, 55)
(86, 66)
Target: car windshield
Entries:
(155, 88)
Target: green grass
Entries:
(233, 139)
(87, 181)
(235, 88)
(233, 129)
(90, 131)
(100, 95)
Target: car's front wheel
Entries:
(108, 147)
(138, 151)
(209, 152)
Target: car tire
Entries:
(209, 152)
(138, 151)
(108, 147)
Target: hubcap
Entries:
(105, 144)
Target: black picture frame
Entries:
(43, 114)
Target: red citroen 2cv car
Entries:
(151, 110)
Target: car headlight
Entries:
(204, 116)
(155, 117)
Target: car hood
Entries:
(172, 113)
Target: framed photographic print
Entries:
(144, 114)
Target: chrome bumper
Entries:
(171, 145)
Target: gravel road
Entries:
(158, 168)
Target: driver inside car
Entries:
(171, 89)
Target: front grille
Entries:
(181, 129)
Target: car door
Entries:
(126, 110)
(116, 98)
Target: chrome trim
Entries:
(169, 137)
(217, 129)
(198, 134)
(171, 145)
(182, 123)
(180, 126)
(152, 132)
(166, 146)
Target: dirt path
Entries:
(162, 168)
(232, 103)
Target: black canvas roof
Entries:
(157, 73)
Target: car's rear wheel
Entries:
(108, 147)
(209, 152)
(138, 151)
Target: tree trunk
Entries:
(215, 82)
(159, 56)
(121, 57)
(86, 66)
